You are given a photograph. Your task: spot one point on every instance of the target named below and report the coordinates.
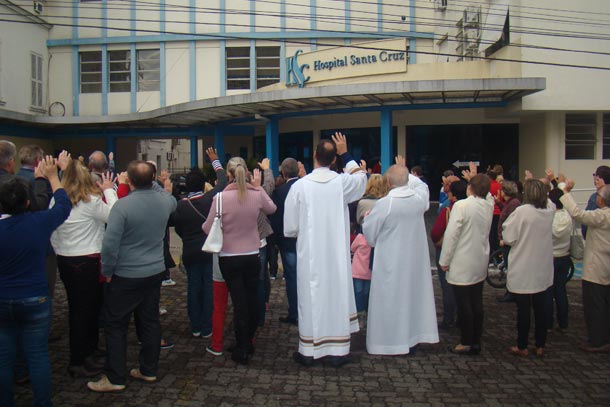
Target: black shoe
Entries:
(507, 297)
(80, 371)
(288, 320)
(306, 361)
(22, 381)
(231, 349)
(240, 357)
(54, 337)
(338, 361)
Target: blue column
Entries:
(194, 152)
(386, 139)
(272, 142)
(219, 143)
(110, 144)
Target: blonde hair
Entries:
(238, 170)
(78, 183)
(376, 186)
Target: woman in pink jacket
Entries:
(239, 257)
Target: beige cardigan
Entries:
(597, 246)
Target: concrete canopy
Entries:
(244, 107)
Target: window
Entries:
(91, 72)
(36, 75)
(606, 137)
(148, 69)
(119, 71)
(238, 67)
(581, 137)
(267, 66)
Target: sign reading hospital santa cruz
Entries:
(371, 58)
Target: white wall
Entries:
(17, 42)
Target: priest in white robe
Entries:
(316, 214)
(401, 313)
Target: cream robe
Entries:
(401, 306)
(316, 214)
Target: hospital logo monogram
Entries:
(294, 72)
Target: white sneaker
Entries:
(103, 385)
(168, 283)
(212, 351)
(196, 334)
(136, 374)
(162, 310)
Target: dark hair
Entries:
(326, 152)
(554, 196)
(140, 174)
(448, 173)
(458, 189)
(535, 193)
(603, 172)
(13, 196)
(510, 189)
(417, 170)
(194, 181)
(498, 169)
(479, 185)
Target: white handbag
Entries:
(213, 243)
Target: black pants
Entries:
(241, 275)
(469, 301)
(596, 305)
(494, 240)
(525, 302)
(80, 275)
(125, 296)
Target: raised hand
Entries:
(63, 159)
(528, 175)
(472, 167)
(561, 177)
(569, 185)
(110, 156)
(212, 154)
(467, 175)
(550, 175)
(400, 161)
(122, 177)
(167, 185)
(363, 165)
(340, 142)
(257, 177)
(48, 167)
(163, 176)
(107, 181)
(264, 164)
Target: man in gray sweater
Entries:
(132, 262)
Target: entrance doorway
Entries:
(435, 148)
(298, 145)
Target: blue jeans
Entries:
(289, 262)
(447, 294)
(200, 300)
(362, 289)
(28, 319)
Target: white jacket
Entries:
(562, 230)
(82, 233)
(528, 231)
(466, 241)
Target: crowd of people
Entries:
(107, 234)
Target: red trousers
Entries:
(221, 297)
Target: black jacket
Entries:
(277, 219)
(188, 222)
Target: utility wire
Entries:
(355, 46)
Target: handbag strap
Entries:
(195, 209)
(219, 208)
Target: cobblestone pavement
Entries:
(189, 376)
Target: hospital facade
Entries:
(440, 81)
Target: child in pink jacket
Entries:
(361, 272)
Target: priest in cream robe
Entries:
(402, 313)
(316, 214)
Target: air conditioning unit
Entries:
(38, 7)
(471, 39)
(471, 17)
(441, 4)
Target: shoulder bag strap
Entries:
(219, 208)
(195, 209)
